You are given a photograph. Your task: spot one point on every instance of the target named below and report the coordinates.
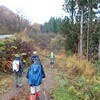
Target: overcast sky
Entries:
(36, 10)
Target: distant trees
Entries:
(53, 25)
(33, 29)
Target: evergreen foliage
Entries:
(52, 26)
(70, 27)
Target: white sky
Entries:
(38, 11)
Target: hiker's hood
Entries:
(35, 55)
(17, 58)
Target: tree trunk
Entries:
(88, 30)
(78, 46)
(72, 15)
(99, 49)
(81, 34)
(87, 42)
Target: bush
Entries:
(79, 67)
(80, 88)
(62, 94)
(97, 66)
(2, 43)
(13, 46)
(57, 43)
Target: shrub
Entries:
(62, 94)
(2, 43)
(79, 67)
(97, 66)
(13, 46)
(57, 43)
(71, 89)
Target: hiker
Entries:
(34, 75)
(18, 70)
(52, 58)
(35, 56)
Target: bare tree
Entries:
(21, 21)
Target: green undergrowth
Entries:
(2, 43)
(97, 66)
(79, 88)
(75, 86)
(61, 94)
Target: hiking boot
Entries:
(17, 86)
(37, 98)
(20, 85)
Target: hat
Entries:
(17, 55)
(34, 52)
(36, 60)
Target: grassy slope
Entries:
(77, 80)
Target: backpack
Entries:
(15, 65)
(52, 55)
(35, 75)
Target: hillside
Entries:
(11, 22)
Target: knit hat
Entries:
(17, 55)
(34, 52)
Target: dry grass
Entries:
(6, 84)
(74, 66)
(82, 67)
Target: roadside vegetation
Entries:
(14, 45)
(77, 80)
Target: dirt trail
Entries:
(23, 92)
(13, 92)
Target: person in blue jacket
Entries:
(18, 70)
(34, 75)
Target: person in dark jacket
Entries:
(35, 88)
(36, 57)
(18, 70)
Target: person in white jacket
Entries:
(18, 70)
